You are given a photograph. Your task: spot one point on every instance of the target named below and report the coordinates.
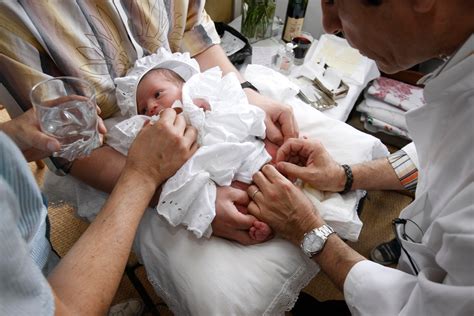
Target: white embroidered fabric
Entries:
(126, 91)
(231, 148)
(218, 277)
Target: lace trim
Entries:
(283, 301)
(286, 298)
(166, 297)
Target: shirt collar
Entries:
(463, 52)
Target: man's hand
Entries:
(283, 206)
(309, 161)
(229, 222)
(280, 121)
(24, 130)
(160, 149)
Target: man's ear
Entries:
(423, 6)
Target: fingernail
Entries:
(52, 146)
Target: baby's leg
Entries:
(259, 231)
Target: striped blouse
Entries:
(24, 249)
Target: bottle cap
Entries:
(290, 46)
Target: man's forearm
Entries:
(100, 170)
(87, 277)
(375, 175)
(337, 259)
(215, 56)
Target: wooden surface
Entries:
(220, 10)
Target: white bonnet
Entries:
(126, 87)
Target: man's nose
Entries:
(331, 22)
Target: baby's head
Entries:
(154, 82)
(158, 90)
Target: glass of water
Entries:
(66, 109)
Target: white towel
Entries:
(383, 112)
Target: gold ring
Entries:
(255, 192)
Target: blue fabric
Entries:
(24, 249)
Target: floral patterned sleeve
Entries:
(96, 40)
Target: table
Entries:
(263, 50)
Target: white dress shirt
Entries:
(443, 133)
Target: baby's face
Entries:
(156, 92)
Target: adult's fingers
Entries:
(268, 174)
(291, 147)
(252, 192)
(180, 122)
(190, 135)
(168, 116)
(242, 237)
(273, 132)
(239, 196)
(289, 126)
(242, 221)
(101, 126)
(291, 170)
(46, 143)
(254, 210)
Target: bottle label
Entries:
(293, 28)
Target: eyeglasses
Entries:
(409, 231)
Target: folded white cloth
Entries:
(383, 112)
(269, 82)
(375, 125)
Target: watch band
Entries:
(58, 165)
(322, 233)
(247, 84)
(349, 178)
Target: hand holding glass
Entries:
(66, 109)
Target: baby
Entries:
(160, 87)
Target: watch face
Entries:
(312, 243)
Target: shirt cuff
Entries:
(200, 37)
(410, 150)
(372, 289)
(405, 168)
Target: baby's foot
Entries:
(260, 231)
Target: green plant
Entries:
(257, 18)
